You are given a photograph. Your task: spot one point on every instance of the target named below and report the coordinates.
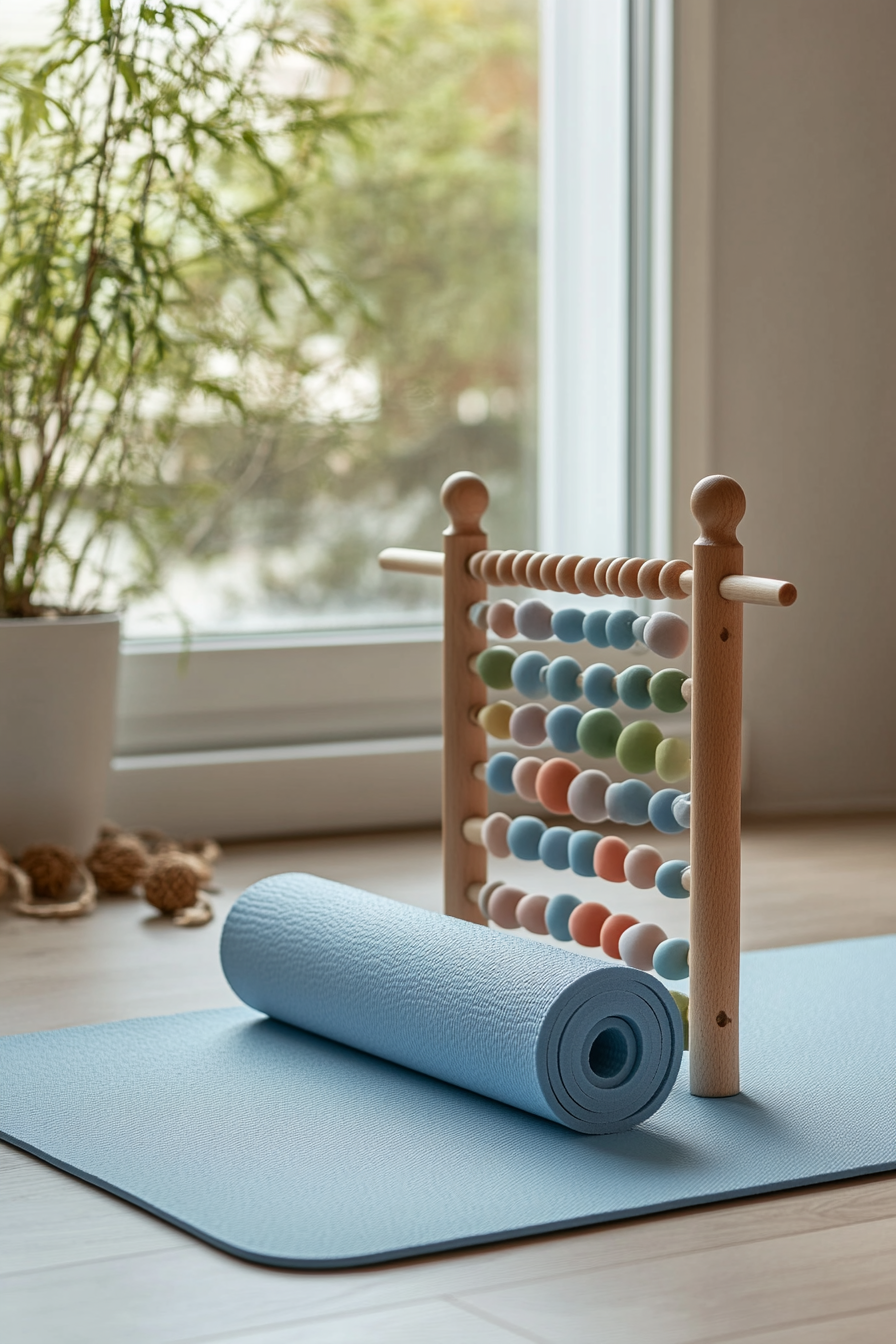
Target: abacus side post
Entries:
(464, 743)
(718, 504)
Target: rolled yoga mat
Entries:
(594, 1046)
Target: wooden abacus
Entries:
(715, 582)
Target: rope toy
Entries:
(51, 882)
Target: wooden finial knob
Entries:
(718, 503)
(465, 500)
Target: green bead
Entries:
(636, 747)
(665, 690)
(493, 666)
(598, 732)
(673, 760)
(683, 1004)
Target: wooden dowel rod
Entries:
(748, 588)
(718, 504)
(412, 562)
(472, 830)
(464, 794)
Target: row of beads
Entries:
(640, 748)
(642, 946)
(586, 574)
(586, 853)
(664, 633)
(591, 796)
(532, 673)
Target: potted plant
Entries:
(145, 151)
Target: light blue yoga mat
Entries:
(288, 1148)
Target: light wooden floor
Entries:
(79, 1265)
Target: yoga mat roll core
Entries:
(594, 1046)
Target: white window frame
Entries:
(289, 735)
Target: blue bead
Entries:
(523, 835)
(597, 686)
(556, 916)
(567, 625)
(582, 845)
(681, 810)
(562, 725)
(562, 678)
(632, 686)
(478, 614)
(525, 674)
(670, 960)
(639, 627)
(553, 847)
(668, 879)
(629, 802)
(594, 629)
(661, 811)
(498, 771)
(619, 628)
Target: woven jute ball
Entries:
(118, 863)
(52, 869)
(172, 882)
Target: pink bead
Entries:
(638, 944)
(522, 777)
(586, 796)
(666, 634)
(502, 618)
(502, 906)
(640, 865)
(494, 835)
(527, 725)
(530, 913)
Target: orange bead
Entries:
(586, 922)
(609, 858)
(552, 784)
(612, 930)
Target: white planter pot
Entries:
(57, 721)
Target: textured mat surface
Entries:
(290, 1149)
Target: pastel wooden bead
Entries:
(628, 802)
(530, 913)
(631, 685)
(639, 627)
(495, 719)
(670, 960)
(562, 678)
(586, 922)
(524, 775)
(494, 835)
(495, 665)
(637, 746)
(527, 725)
(584, 576)
(553, 848)
(502, 618)
(586, 798)
(611, 931)
(661, 811)
(548, 573)
(478, 615)
(640, 868)
(673, 760)
(668, 879)
(619, 628)
(566, 574)
(502, 906)
(533, 579)
(485, 894)
(594, 628)
(527, 674)
(598, 686)
(504, 570)
(533, 619)
(580, 851)
(552, 784)
(670, 578)
(667, 634)
(556, 916)
(561, 726)
(598, 733)
(567, 625)
(681, 810)
(523, 835)
(683, 1005)
(665, 690)
(629, 584)
(499, 772)
(609, 858)
(638, 943)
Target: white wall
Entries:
(785, 367)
